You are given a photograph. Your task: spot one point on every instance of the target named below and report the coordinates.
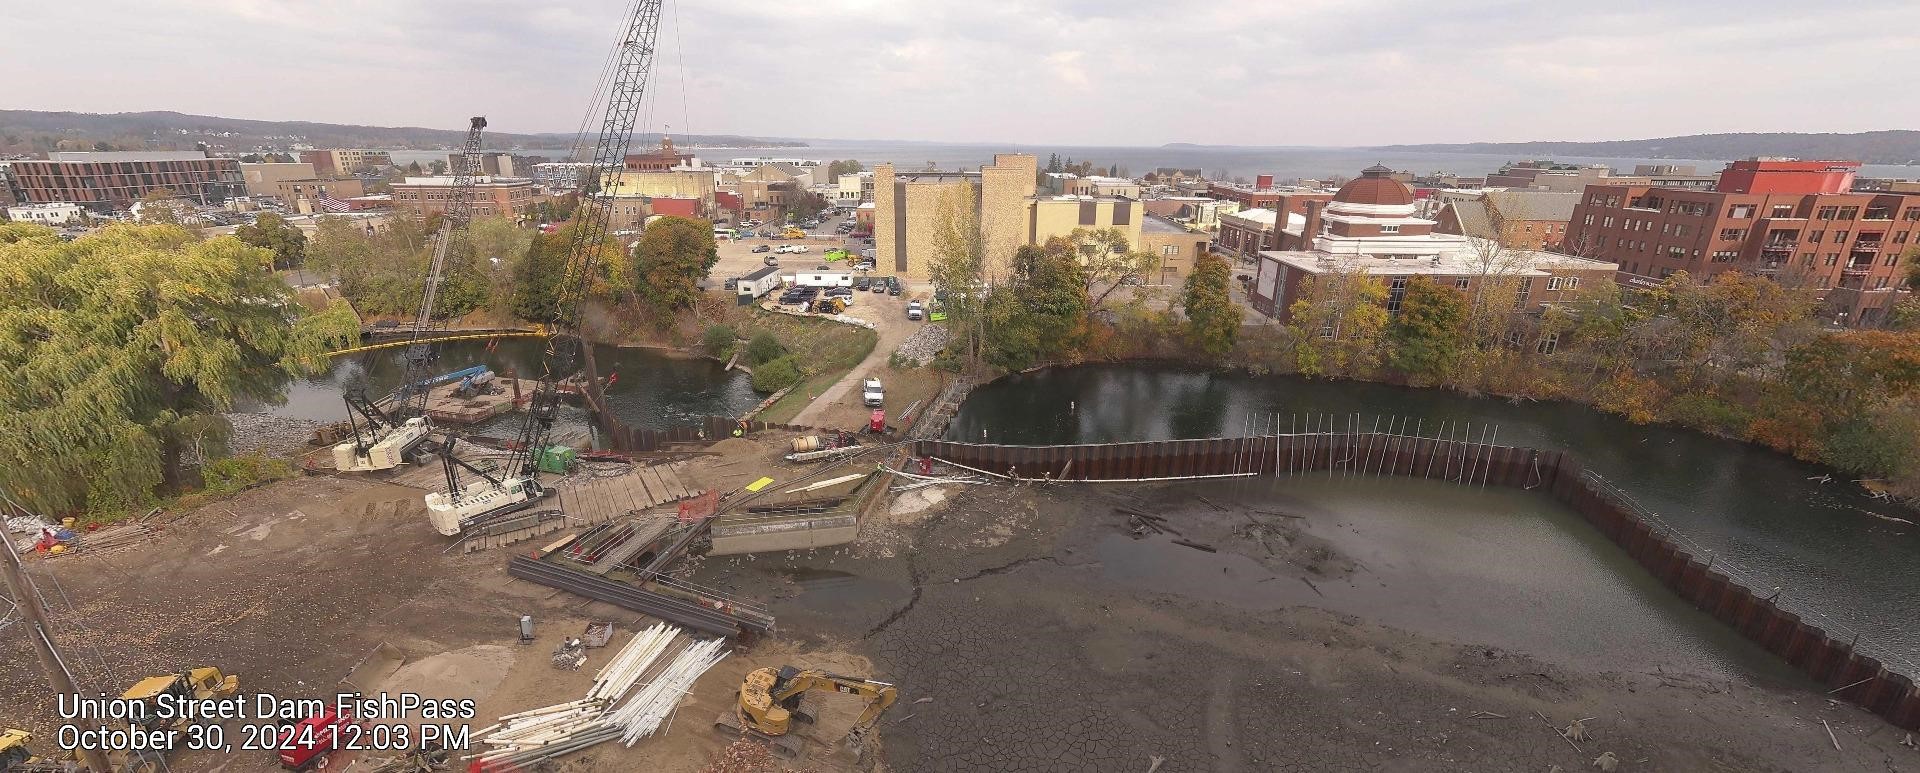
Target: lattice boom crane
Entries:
(465, 505)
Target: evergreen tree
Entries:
(1213, 321)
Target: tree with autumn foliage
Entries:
(1339, 316)
(123, 347)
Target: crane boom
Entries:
(392, 436)
(411, 397)
(472, 503)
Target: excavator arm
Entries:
(768, 697)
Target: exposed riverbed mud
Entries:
(1329, 628)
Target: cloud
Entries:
(1330, 72)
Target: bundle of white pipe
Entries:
(632, 662)
(642, 716)
(566, 727)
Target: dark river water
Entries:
(1827, 546)
(652, 390)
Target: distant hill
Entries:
(1881, 147)
(35, 131)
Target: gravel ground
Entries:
(924, 343)
(269, 434)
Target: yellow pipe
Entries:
(391, 344)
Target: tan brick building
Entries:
(1173, 246)
(261, 178)
(327, 163)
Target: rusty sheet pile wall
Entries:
(1860, 671)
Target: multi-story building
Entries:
(684, 183)
(562, 176)
(107, 181)
(1245, 233)
(57, 213)
(9, 194)
(262, 178)
(852, 190)
(506, 196)
(303, 195)
(500, 164)
(1529, 220)
(1369, 228)
(910, 208)
(1797, 221)
(332, 163)
(1064, 184)
(1261, 195)
(1173, 247)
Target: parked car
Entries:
(916, 311)
(762, 248)
(879, 284)
(872, 393)
(893, 289)
(799, 248)
(788, 248)
(840, 292)
(771, 260)
(862, 283)
(864, 265)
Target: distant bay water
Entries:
(1247, 162)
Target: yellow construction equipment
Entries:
(15, 758)
(793, 233)
(770, 700)
(198, 684)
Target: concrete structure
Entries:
(1797, 221)
(1369, 229)
(852, 190)
(1528, 220)
(56, 213)
(110, 181)
(492, 195)
(1175, 247)
(261, 178)
(1065, 184)
(329, 163)
(561, 176)
(501, 164)
(299, 194)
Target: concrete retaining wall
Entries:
(1832, 661)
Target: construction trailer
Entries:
(823, 279)
(758, 283)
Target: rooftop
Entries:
(427, 182)
(1522, 262)
(1160, 225)
(89, 156)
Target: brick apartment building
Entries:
(506, 196)
(108, 181)
(1796, 221)
(659, 160)
(1527, 220)
(1245, 233)
(1261, 195)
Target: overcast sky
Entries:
(1071, 72)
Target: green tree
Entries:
(1339, 316)
(536, 279)
(763, 348)
(849, 166)
(776, 375)
(957, 266)
(122, 347)
(252, 158)
(498, 246)
(436, 167)
(270, 231)
(674, 253)
(1042, 313)
(1426, 339)
(717, 339)
(1213, 321)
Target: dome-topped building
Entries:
(1370, 228)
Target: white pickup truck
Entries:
(872, 394)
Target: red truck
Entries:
(305, 745)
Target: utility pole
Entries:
(27, 599)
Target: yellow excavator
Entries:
(770, 701)
(15, 758)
